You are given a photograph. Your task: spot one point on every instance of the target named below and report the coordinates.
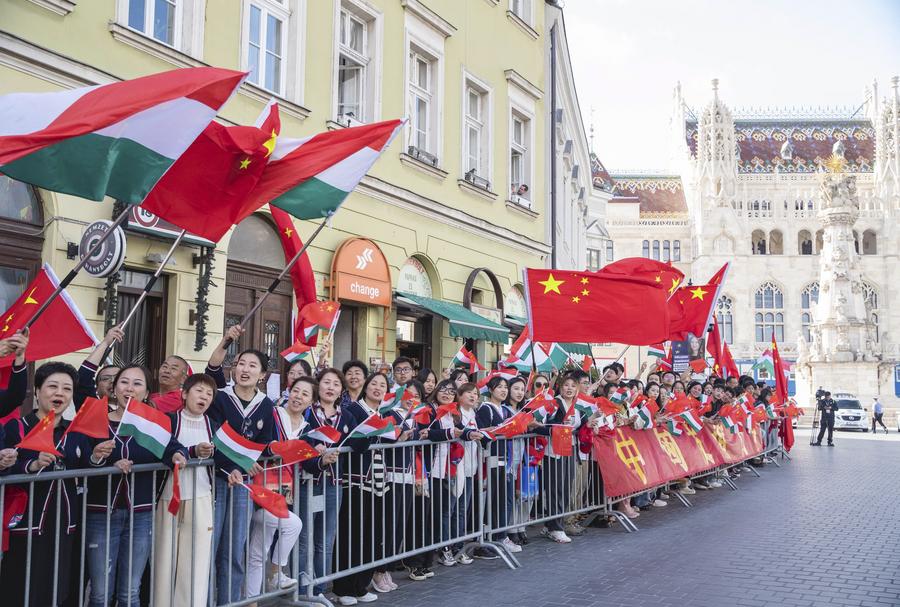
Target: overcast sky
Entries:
(628, 54)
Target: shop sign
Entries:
(492, 314)
(141, 220)
(360, 273)
(413, 278)
(514, 303)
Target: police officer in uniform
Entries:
(827, 407)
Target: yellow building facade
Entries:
(451, 213)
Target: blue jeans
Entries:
(230, 530)
(124, 536)
(643, 500)
(325, 497)
(459, 513)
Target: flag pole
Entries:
(281, 275)
(68, 278)
(618, 358)
(147, 288)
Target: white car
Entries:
(850, 414)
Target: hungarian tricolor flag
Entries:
(781, 388)
(618, 395)
(293, 451)
(661, 273)
(586, 307)
(561, 440)
(527, 355)
(208, 189)
(324, 434)
(728, 413)
(646, 411)
(302, 277)
(674, 427)
(466, 358)
(393, 400)
(665, 363)
(175, 500)
(61, 329)
(311, 177)
(150, 428)
(113, 140)
(268, 500)
(40, 438)
(586, 405)
(92, 419)
(295, 352)
(241, 451)
(764, 363)
(314, 317)
(657, 350)
(374, 426)
(505, 374)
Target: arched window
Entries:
(667, 253)
(869, 243)
(725, 317)
(856, 241)
(870, 298)
(776, 242)
(758, 242)
(645, 248)
(820, 235)
(808, 297)
(676, 250)
(656, 250)
(804, 243)
(769, 317)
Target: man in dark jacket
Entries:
(827, 407)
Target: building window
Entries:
(353, 57)
(666, 255)
(610, 251)
(476, 130)
(676, 250)
(769, 305)
(593, 259)
(267, 45)
(804, 242)
(645, 248)
(808, 298)
(422, 101)
(726, 318)
(656, 250)
(758, 242)
(521, 9)
(155, 18)
(870, 299)
(870, 243)
(519, 156)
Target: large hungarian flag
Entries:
(40, 438)
(208, 189)
(314, 317)
(661, 273)
(243, 452)
(151, 428)
(112, 140)
(61, 329)
(781, 388)
(586, 307)
(311, 177)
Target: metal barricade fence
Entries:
(394, 501)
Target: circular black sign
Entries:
(111, 254)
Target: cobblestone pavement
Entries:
(824, 529)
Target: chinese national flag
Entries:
(587, 307)
(293, 451)
(40, 438)
(605, 406)
(269, 500)
(313, 317)
(781, 389)
(561, 440)
(698, 365)
(92, 418)
(448, 409)
(208, 188)
(301, 272)
(61, 329)
(731, 368)
(714, 348)
(175, 502)
(691, 307)
(515, 425)
(663, 274)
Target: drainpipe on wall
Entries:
(553, 146)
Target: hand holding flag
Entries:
(40, 438)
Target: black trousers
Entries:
(879, 418)
(356, 543)
(826, 423)
(44, 555)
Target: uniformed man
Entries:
(827, 407)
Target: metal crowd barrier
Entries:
(402, 508)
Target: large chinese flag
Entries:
(731, 368)
(59, 330)
(781, 389)
(587, 307)
(302, 277)
(691, 307)
(664, 274)
(714, 348)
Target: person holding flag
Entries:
(40, 540)
(95, 379)
(14, 393)
(467, 395)
(248, 411)
(516, 451)
(184, 518)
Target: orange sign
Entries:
(359, 272)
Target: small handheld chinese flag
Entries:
(269, 500)
(561, 439)
(40, 438)
(92, 418)
(293, 451)
(448, 409)
(175, 502)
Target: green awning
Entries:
(516, 320)
(583, 349)
(463, 322)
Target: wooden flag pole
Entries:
(281, 275)
(74, 271)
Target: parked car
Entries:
(850, 415)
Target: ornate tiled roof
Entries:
(655, 193)
(601, 177)
(760, 142)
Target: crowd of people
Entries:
(421, 496)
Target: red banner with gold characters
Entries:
(633, 460)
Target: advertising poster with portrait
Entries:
(683, 352)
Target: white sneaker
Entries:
(686, 491)
(716, 484)
(659, 503)
(510, 545)
(663, 495)
(446, 558)
(379, 584)
(701, 486)
(559, 537)
(369, 597)
(347, 600)
(464, 559)
(280, 580)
